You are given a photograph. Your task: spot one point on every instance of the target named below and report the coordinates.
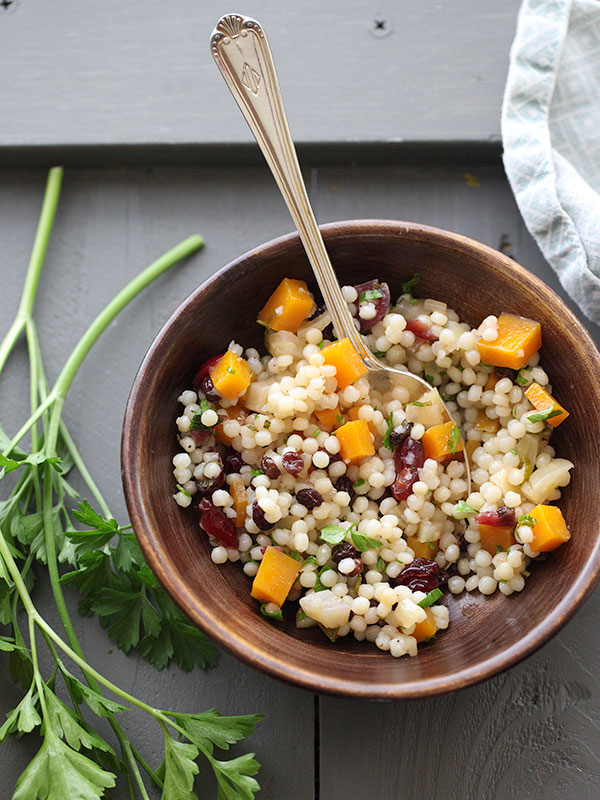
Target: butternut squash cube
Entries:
(348, 364)
(550, 529)
(287, 308)
(422, 549)
(493, 537)
(231, 375)
(237, 490)
(442, 441)
(485, 424)
(426, 629)
(518, 339)
(541, 400)
(328, 416)
(275, 577)
(356, 441)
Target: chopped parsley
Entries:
(340, 419)
(419, 403)
(499, 549)
(295, 555)
(316, 433)
(271, 614)
(379, 354)
(527, 519)
(513, 451)
(522, 379)
(370, 295)
(409, 285)
(182, 490)
(309, 560)
(196, 423)
(380, 564)
(485, 366)
(333, 534)
(358, 483)
(230, 371)
(428, 378)
(431, 598)
(547, 413)
(362, 542)
(256, 472)
(462, 507)
(431, 545)
(301, 616)
(318, 585)
(267, 424)
(453, 439)
(390, 428)
(321, 344)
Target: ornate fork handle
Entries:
(242, 53)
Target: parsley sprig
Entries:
(104, 562)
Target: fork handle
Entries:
(241, 51)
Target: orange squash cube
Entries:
(237, 490)
(493, 537)
(328, 416)
(352, 414)
(426, 629)
(356, 441)
(231, 375)
(348, 364)
(485, 424)
(518, 339)
(422, 549)
(440, 443)
(550, 529)
(492, 380)
(542, 400)
(287, 308)
(275, 577)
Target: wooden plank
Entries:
(140, 73)
(111, 224)
(532, 732)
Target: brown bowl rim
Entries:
(268, 662)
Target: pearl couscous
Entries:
(350, 505)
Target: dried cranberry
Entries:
(343, 550)
(408, 459)
(421, 329)
(258, 515)
(382, 304)
(344, 484)
(199, 437)
(216, 523)
(503, 516)
(309, 498)
(400, 433)
(463, 544)
(269, 467)
(203, 382)
(233, 463)
(421, 575)
(506, 372)
(293, 462)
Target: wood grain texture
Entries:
(541, 742)
(76, 73)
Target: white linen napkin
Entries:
(551, 138)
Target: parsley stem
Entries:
(135, 770)
(83, 470)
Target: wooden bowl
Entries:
(486, 634)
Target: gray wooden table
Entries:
(532, 732)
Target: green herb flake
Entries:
(196, 423)
(182, 490)
(390, 428)
(428, 378)
(484, 366)
(370, 295)
(379, 354)
(409, 285)
(316, 433)
(340, 419)
(527, 519)
(380, 564)
(431, 545)
(321, 344)
(462, 507)
(546, 413)
(413, 301)
(267, 424)
(360, 482)
(230, 371)
(363, 543)
(318, 585)
(453, 439)
(499, 549)
(513, 451)
(503, 580)
(295, 555)
(333, 534)
(301, 616)
(256, 472)
(419, 403)
(431, 598)
(309, 560)
(271, 614)
(522, 379)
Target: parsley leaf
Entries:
(357, 484)
(209, 729)
(362, 542)
(256, 472)
(527, 519)
(380, 564)
(340, 419)
(182, 490)
(453, 439)
(431, 598)
(522, 378)
(461, 508)
(178, 769)
(390, 428)
(419, 403)
(196, 424)
(546, 413)
(316, 433)
(333, 534)
(318, 585)
(271, 614)
(370, 295)
(429, 378)
(409, 285)
(513, 451)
